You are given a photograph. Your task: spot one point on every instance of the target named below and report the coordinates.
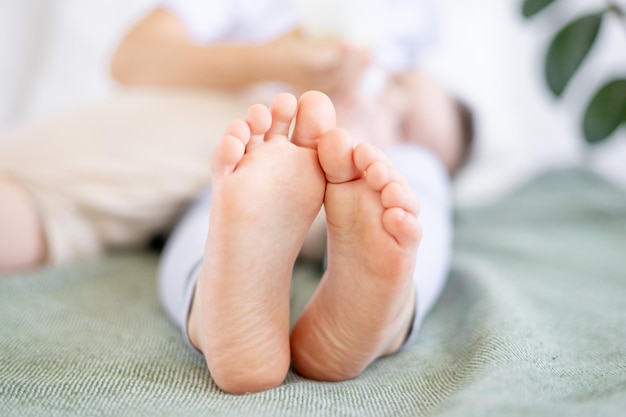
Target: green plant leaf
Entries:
(532, 7)
(568, 50)
(605, 112)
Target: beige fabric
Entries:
(114, 173)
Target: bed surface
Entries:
(532, 322)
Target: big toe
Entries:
(315, 116)
(335, 153)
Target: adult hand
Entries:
(326, 65)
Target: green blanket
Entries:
(532, 322)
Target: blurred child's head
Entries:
(437, 120)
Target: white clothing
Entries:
(427, 178)
(398, 30)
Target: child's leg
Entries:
(111, 174)
(181, 260)
(267, 191)
(365, 303)
(22, 242)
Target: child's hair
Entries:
(467, 127)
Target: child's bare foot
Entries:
(364, 304)
(267, 191)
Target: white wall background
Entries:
(54, 54)
(494, 57)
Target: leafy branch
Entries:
(569, 48)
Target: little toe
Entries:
(315, 116)
(335, 155)
(227, 155)
(402, 226)
(283, 110)
(259, 120)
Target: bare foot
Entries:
(267, 191)
(364, 304)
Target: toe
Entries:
(403, 226)
(316, 115)
(394, 195)
(335, 155)
(259, 120)
(283, 111)
(240, 130)
(378, 167)
(227, 154)
(378, 175)
(365, 155)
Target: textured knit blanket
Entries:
(531, 322)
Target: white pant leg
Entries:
(427, 178)
(181, 260)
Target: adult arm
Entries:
(159, 51)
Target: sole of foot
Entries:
(364, 305)
(267, 189)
